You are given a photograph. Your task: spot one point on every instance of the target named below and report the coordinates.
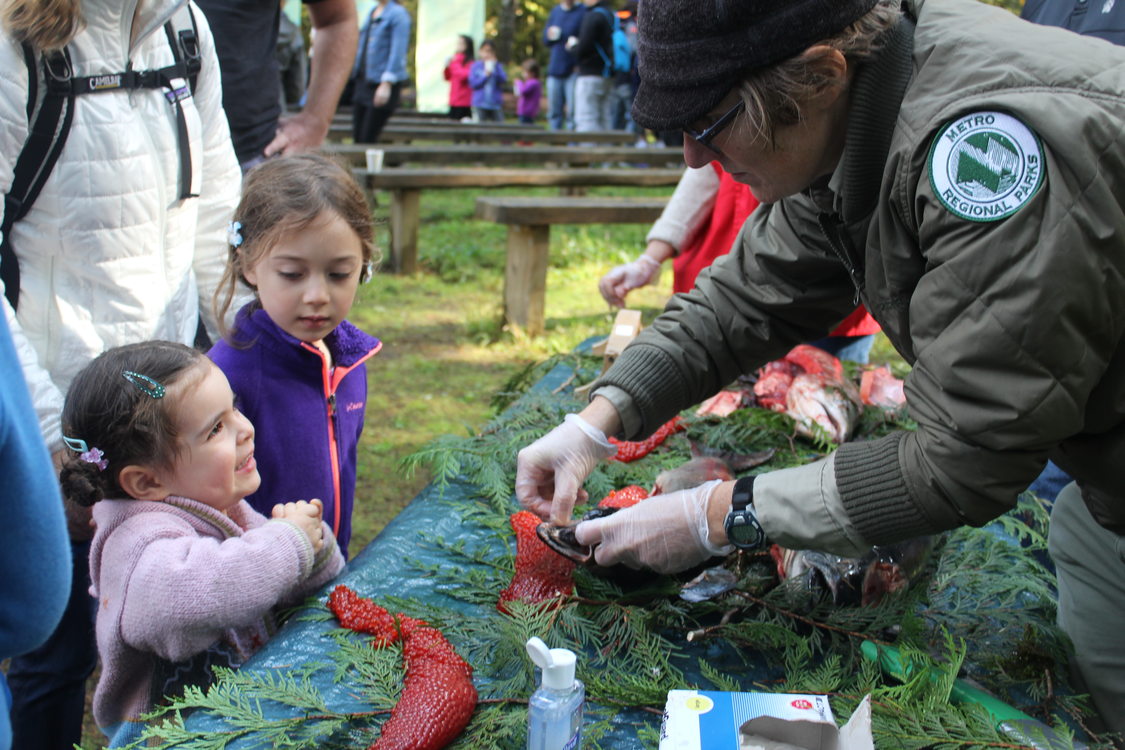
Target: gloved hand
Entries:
(667, 533)
(550, 471)
(625, 278)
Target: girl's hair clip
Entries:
(144, 384)
(85, 453)
(368, 272)
(234, 233)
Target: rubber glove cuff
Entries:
(592, 432)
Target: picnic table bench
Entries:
(529, 223)
(406, 186)
(398, 154)
(490, 133)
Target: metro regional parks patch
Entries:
(986, 165)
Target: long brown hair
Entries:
(46, 25)
(283, 195)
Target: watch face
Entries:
(743, 530)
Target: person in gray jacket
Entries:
(962, 173)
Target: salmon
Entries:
(865, 580)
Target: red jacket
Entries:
(714, 237)
(457, 73)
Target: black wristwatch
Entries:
(742, 527)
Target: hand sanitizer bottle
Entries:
(554, 713)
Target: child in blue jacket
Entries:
(487, 79)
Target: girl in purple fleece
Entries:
(186, 573)
(302, 241)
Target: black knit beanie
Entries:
(691, 53)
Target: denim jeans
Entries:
(591, 103)
(850, 348)
(560, 102)
(49, 684)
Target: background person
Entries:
(701, 222)
(379, 72)
(457, 73)
(528, 92)
(563, 22)
(923, 158)
(593, 84)
(124, 241)
(246, 34)
(487, 79)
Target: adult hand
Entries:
(550, 471)
(625, 278)
(382, 94)
(667, 533)
(301, 132)
(305, 516)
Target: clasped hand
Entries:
(305, 516)
(666, 533)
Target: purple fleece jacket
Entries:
(307, 419)
(178, 580)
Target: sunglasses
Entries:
(704, 138)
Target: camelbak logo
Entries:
(985, 166)
(98, 83)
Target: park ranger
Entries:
(962, 173)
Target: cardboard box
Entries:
(715, 720)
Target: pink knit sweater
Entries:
(177, 578)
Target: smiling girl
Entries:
(302, 241)
(187, 574)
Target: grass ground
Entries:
(446, 351)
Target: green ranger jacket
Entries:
(978, 210)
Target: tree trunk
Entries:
(505, 30)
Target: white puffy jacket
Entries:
(109, 254)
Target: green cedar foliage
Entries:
(983, 608)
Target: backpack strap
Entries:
(50, 110)
(607, 57)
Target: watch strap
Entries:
(743, 495)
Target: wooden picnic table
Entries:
(406, 186)
(529, 223)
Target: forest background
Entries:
(517, 26)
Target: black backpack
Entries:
(52, 89)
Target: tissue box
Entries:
(715, 720)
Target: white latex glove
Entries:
(625, 278)
(550, 471)
(666, 533)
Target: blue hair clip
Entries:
(234, 233)
(144, 384)
(76, 445)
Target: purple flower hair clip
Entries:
(86, 453)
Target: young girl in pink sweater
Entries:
(187, 574)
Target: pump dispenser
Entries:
(554, 713)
